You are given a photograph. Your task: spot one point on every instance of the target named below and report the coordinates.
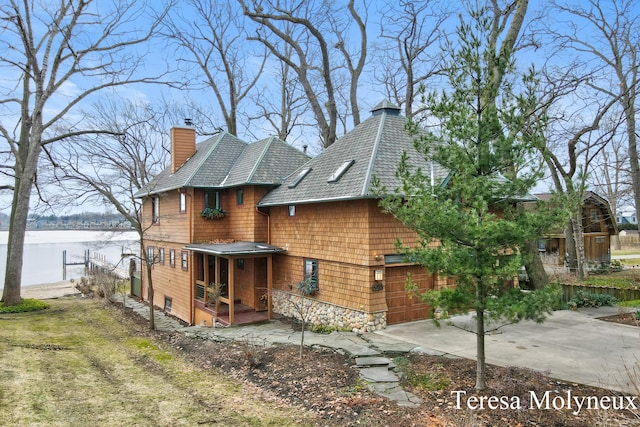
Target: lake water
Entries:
(42, 261)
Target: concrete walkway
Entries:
(573, 346)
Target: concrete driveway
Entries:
(573, 346)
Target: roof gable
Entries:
(265, 162)
(226, 161)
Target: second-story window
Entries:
(212, 199)
(155, 203)
(240, 196)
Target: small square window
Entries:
(167, 304)
(161, 256)
(185, 260)
(240, 196)
(240, 263)
(291, 210)
(183, 202)
(172, 258)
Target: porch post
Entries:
(217, 272)
(232, 286)
(269, 285)
(216, 277)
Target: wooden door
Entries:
(401, 306)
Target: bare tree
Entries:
(212, 38)
(283, 106)
(413, 29)
(58, 54)
(112, 167)
(313, 30)
(610, 174)
(579, 139)
(606, 35)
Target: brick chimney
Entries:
(183, 144)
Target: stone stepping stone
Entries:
(378, 375)
(372, 361)
(395, 393)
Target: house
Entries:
(284, 218)
(598, 223)
(627, 215)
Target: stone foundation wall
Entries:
(322, 313)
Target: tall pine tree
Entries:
(470, 226)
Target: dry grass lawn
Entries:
(78, 364)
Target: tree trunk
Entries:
(144, 256)
(480, 358)
(538, 277)
(481, 383)
(18, 223)
(15, 248)
(578, 239)
(152, 320)
(615, 242)
(570, 255)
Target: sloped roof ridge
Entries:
(266, 147)
(204, 156)
(374, 154)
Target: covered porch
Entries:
(232, 282)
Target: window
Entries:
(311, 271)
(200, 292)
(185, 260)
(155, 203)
(212, 199)
(150, 255)
(240, 263)
(240, 196)
(299, 178)
(183, 202)
(172, 258)
(167, 304)
(595, 215)
(291, 210)
(161, 256)
(340, 171)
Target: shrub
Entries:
(588, 299)
(27, 304)
(606, 268)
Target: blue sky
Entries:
(370, 93)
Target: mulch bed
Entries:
(327, 384)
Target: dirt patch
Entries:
(625, 319)
(328, 385)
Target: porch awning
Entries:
(235, 248)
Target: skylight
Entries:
(299, 178)
(340, 171)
